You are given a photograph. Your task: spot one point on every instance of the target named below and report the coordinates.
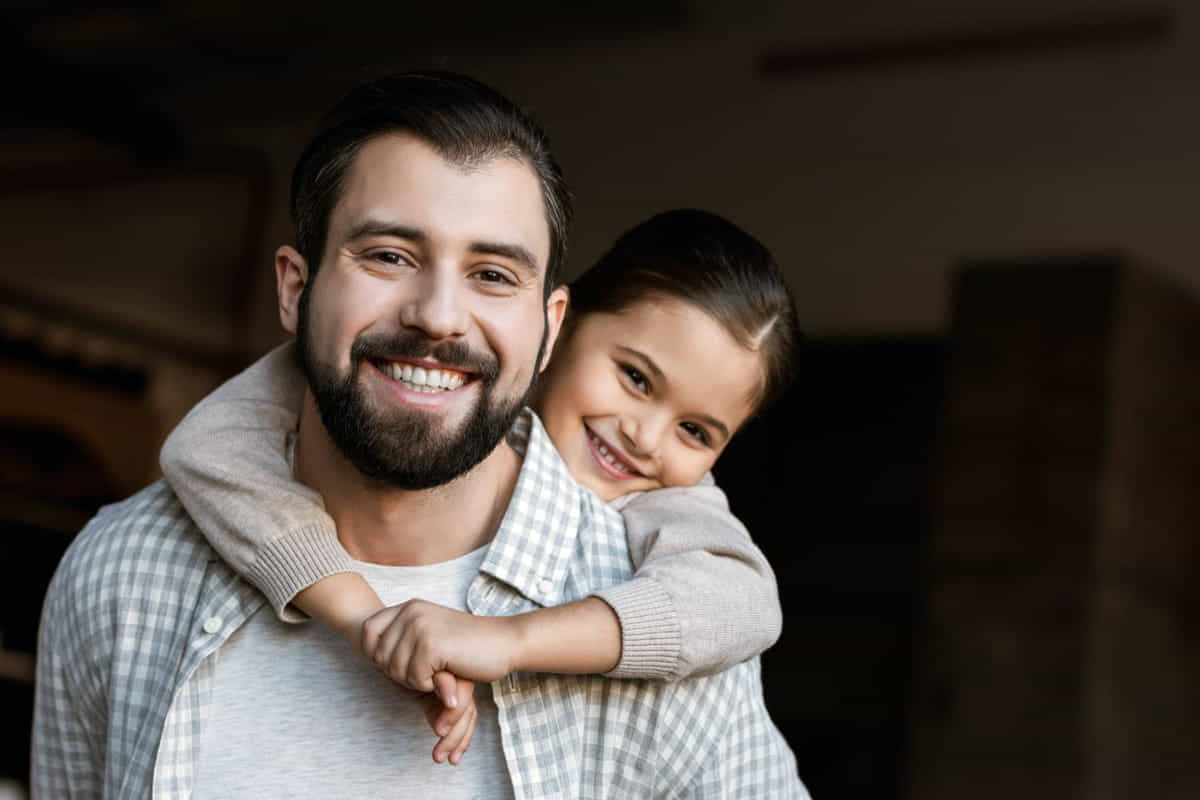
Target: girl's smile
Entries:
(647, 397)
(609, 459)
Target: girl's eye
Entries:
(636, 378)
(696, 432)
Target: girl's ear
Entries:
(291, 276)
(556, 312)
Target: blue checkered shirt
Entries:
(140, 603)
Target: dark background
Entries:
(977, 495)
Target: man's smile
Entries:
(423, 378)
(422, 386)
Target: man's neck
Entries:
(397, 526)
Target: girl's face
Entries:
(647, 397)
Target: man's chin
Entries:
(415, 450)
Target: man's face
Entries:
(422, 331)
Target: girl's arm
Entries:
(227, 462)
(703, 597)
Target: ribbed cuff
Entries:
(650, 635)
(294, 562)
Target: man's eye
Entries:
(636, 378)
(389, 257)
(493, 276)
(696, 432)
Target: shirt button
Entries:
(545, 585)
(212, 624)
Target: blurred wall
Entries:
(867, 183)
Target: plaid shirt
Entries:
(140, 603)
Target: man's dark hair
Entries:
(466, 121)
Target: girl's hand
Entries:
(414, 641)
(454, 723)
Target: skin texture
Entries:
(661, 385)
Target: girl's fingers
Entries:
(445, 686)
(453, 744)
(373, 629)
(448, 717)
(461, 750)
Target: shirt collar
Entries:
(532, 548)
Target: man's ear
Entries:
(556, 312)
(291, 276)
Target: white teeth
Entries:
(425, 380)
(608, 456)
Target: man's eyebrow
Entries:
(373, 227)
(515, 252)
(648, 363)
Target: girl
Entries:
(681, 332)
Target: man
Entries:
(431, 223)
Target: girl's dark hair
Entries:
(705, 260)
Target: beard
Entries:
(402, 448)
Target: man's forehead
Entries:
(404, 178)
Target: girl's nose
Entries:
(643, 433)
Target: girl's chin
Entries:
(608, 490)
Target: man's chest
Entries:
(295, 712)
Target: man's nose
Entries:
(436, 305)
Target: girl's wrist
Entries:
(521, 634)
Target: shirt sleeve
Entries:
(227, 462)
(68, 720)
(703, 596)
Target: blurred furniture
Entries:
(1059, 654)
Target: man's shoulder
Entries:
(150, 523)
(139, 545)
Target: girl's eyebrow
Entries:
(648, 364)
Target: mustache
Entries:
(399, 346)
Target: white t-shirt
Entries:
(296, 713)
